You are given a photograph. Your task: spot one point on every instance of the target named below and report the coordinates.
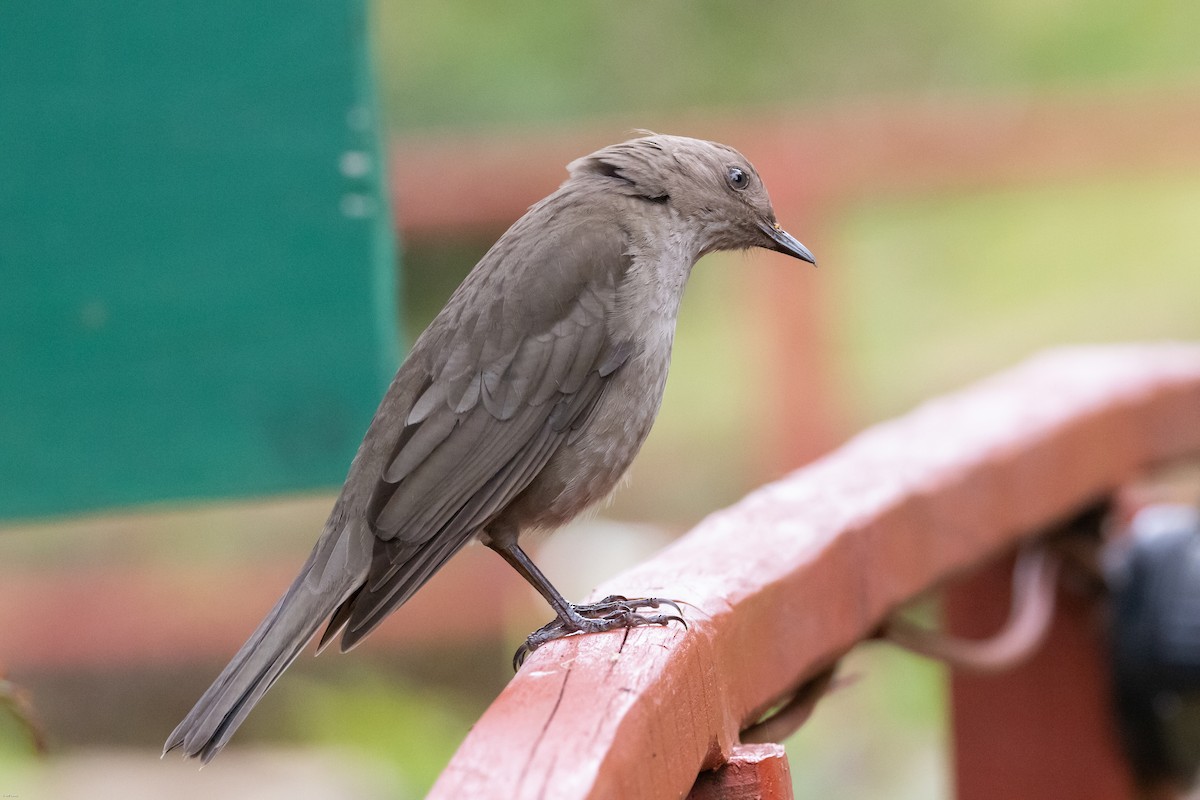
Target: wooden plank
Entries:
(787, 580)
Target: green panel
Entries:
(196, 261)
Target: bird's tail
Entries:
(336, 568)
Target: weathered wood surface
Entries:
(787, 580)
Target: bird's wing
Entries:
(503, 388)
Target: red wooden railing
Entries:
(781, 585)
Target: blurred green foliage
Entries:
(951, 287)
(880, 732)
(474, 63)
(410, 729)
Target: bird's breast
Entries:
(587, 467)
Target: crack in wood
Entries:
(545, 726)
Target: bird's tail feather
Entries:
(336, 569)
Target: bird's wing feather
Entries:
(503, 392)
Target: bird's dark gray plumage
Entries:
(522, 403)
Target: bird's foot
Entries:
(611, 613)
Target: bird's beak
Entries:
(784, 242)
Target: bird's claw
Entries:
(616, 603)
(611, 613)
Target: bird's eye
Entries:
(738, 178)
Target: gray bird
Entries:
(522, 404)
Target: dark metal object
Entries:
(1155, 637)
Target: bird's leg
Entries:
(609, 614)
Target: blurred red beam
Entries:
(783, 583)
(447, 183)
(120, 617)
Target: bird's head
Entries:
(708, 183)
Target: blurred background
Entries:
(220, 227)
